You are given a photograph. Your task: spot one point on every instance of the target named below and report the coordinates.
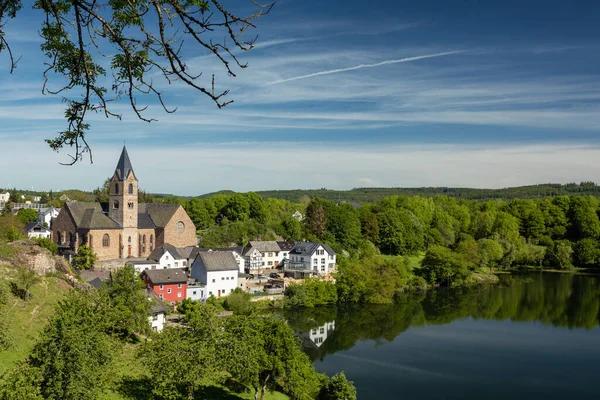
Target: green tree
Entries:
(257, 207)
(21, 383)
(583, 215)
(25, 280)
(442, 266)
(491, 253)
(338, 388)
(143, 43)
(48, 244)
(85, 258)
(237, 208)
(316, 218)
(586, 252)
(27, 215)
(8, 208)
(292, 229)
(126, 303)
(343, 223)
(239, 302)
(73, 353)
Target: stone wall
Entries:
(109, 265)
(64, 225)
(180, 239)
(105, 253)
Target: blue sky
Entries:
(344, 94)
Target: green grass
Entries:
(27, 318)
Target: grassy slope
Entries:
(27, 318)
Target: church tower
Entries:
(123, 204)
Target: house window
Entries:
(322, 261)
(270, 254)
(210, 293)
(169, 290)
(227, 278)
(314, 331)
(331, 257)
(270, 263)
(213, 281)
(222, 278)
(322, 268)
(178, 294)
(179, 286)
(232, 278)
(223, 291)
(322, 330)
(116, 204)
(160, 287)
(105, 240)
(131, 188)
(155, 318)
(263, 263)
(160, 296)
(180, 226)
(194, 292)
(176, 264)
(184, 263)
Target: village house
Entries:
(169, 284)
(217, 271)
(124, 228)
(284, 250)
(269, 252)
(4, 197)
(237, 254)
(158, 311)
(37, 230)
(253, 260)
(47, 214)
(310, 259)
(163, 257)
(317, 336)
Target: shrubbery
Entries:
(312, 292)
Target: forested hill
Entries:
(374, 194)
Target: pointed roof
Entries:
(124, 165)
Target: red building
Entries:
(169, 284)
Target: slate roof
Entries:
(168, 275)
(124, 165)
(158, 306)
(310, 248)
(160, 214)
(158, 252)
(185, 252)
(29, 227)
(265, 246)
(237, 249)
(286, 246)
(219, 261)
(196, 250)
(93, 216)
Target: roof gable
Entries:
(218, 261)
(166, 276)
(265, 246)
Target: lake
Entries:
(530, 337)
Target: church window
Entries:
(105, 240)
(144, 239)
(130, 205)
(116, 188)
(129, 239)
(131, 188)
(180, 226)
(59, 238)
(116, 205)
(91, 241)
(151, 239)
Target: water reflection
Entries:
(561, 300)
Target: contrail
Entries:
(361, 66)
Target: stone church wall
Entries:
(180, 239)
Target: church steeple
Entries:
(123, 193)
(124, 166)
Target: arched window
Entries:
(91, 241)
(105, 240)
(60, 238)
(129, 239)
(180, 226)
(130, 205)
(116, 205)
(131, 188)
(144, 239)
(116, 188)
(151, 239)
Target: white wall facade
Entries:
(320, 261)
(39, 234)
(270, 259)
(253, 261)
(4, 196)
(168, 261)
(47, 215)
(196, 292)
(157, 322)
(221, 283)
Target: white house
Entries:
(163, 257)
(47, 214)
(269, 251)
(36, 199)
(4, 197)
(196, 291)
(237, 254)
(284, 250)
(158, 310)
(37, 230)
(308, 258)
(298, 216)
(217, 270)
(253, 260)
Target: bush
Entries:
(441, 266)
(238, 302)
(312, 292)
(48, 244)
(338, 388)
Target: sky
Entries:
(343, 94)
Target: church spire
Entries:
(124, 165)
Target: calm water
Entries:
(533, 337)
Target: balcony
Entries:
(297, 266)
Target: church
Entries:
(123, 228)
